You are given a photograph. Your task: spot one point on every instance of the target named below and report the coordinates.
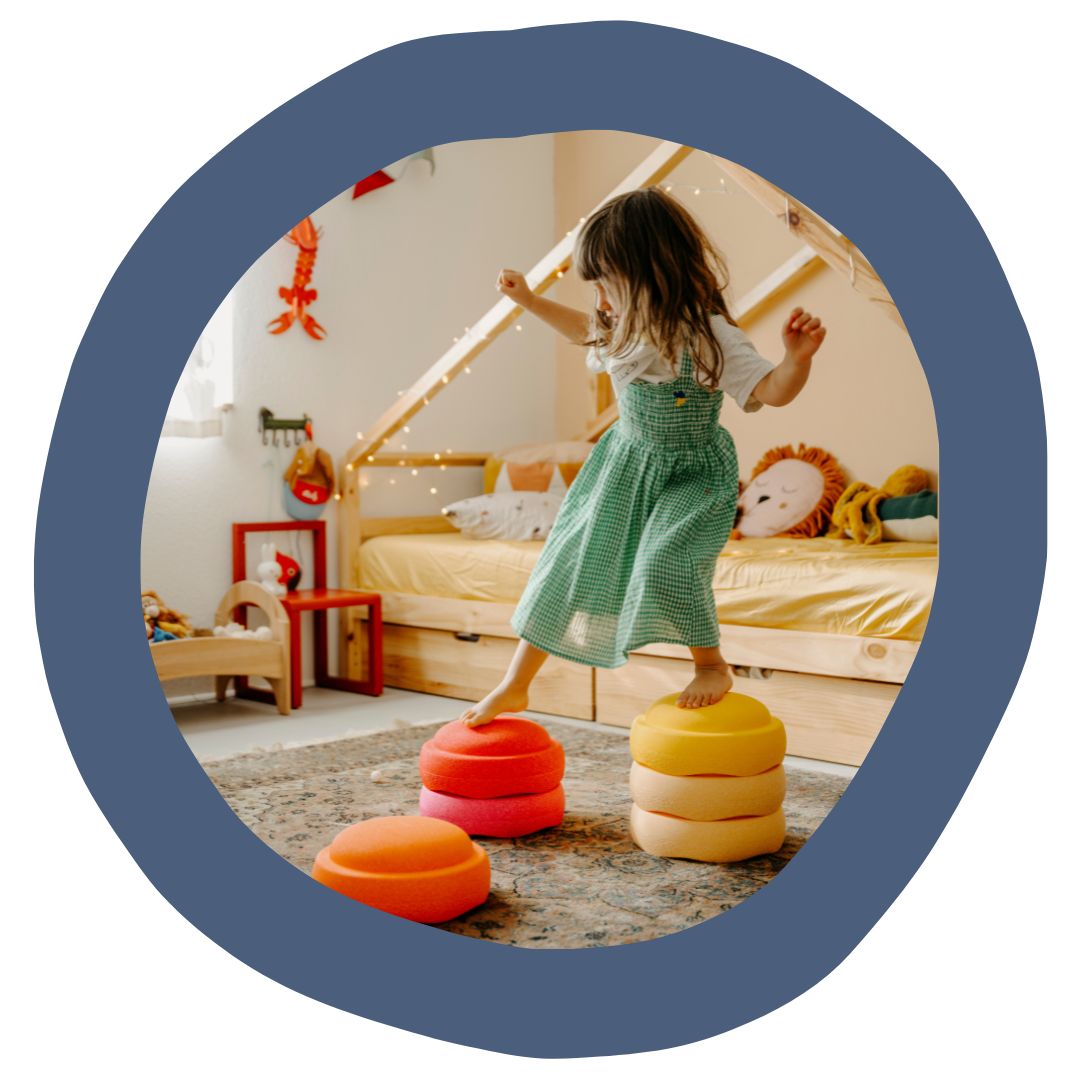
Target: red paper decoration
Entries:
(374, 181)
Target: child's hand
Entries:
(512, 283)
(803, 335)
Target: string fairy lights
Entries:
(698, 189)
(473, 335)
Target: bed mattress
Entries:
(827, 586)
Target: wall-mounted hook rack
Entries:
(293, 432)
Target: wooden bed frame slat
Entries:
(782, 280)
(405, 526)
(438, 662)
(432, 460)
(884, 660)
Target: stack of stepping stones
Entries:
(502, 779)
(708, 783)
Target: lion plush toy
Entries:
(158, 617)
(856, 514)
(790, 493)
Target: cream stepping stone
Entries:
(729, 840)
(707, 798)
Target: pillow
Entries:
(910, 517)
(535, 467)
(505, 515)
(791, 493)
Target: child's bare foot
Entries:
(709, 686)
(506, 697)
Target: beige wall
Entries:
(867, 400)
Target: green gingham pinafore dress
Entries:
(631, 555)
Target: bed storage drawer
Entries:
(469, 666)
(830, 719)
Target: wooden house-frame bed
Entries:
(833, 691)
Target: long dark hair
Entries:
(667, 274)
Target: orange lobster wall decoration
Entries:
(306, 237)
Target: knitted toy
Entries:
(790, 493)
(856, 514)
(158, 617)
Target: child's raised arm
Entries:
(803, 335)
(568, 321)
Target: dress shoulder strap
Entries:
(686, 365)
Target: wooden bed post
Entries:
(348, 527)
(833, 247)
(350, 652)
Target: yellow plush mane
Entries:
(827, 465)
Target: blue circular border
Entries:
(923, 239)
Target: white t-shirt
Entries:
(744, 367)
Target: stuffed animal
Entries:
(910, 517)
(309, 482)
(857, 513)
(157, 616)
(269, 571)
(291, 571)
(790, 493)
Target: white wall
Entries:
(399, 272)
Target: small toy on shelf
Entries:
(158, 617)
(269, 571)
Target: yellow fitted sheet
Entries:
(828, 586)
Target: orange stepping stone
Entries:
(419, 868)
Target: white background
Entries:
(109, 107)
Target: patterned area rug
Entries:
(580, 885)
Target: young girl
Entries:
(631, 555)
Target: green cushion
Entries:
(922, 504)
